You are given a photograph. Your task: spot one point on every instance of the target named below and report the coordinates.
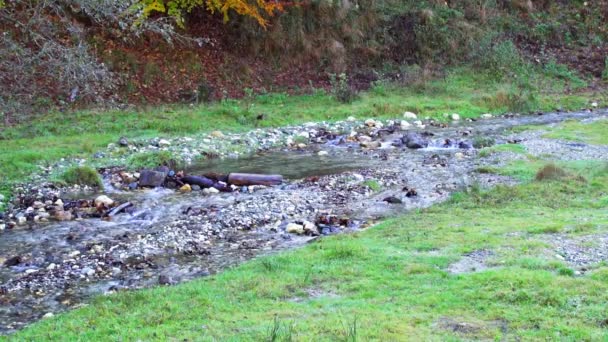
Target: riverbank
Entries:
(486, 265)
(173, 237)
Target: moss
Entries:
(81, 175)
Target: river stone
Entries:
(415, 141)
(294, 228)
(163, 143)
(123, 142)
(104, 200)
(61, 215)
(409, 115)
(149, 178)
(322, 153)
(2, 226)
(371, 144)
(455, 117)
(364, 138)
(21, 220)
(465, 145)
(405, 125)
(486, 116)
(185, 188)
(210, 191)
(217, 134)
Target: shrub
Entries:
(551, 172)
(81, 175)
(340, 88)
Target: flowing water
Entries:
(27, 295)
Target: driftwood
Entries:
(203, 182)
(119, 209)
(254, 179)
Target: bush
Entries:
(341, 90)
(81, 175)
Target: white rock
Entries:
(51, 267)
(486, 116)
(38, 205)
(59, 202)
(370, 123)
(323, 153)
(304, 135)
(455, 117)
(48, 315)
(594, 104)
(163, 142)
(2, 226)
(405, 125)
(103, 200)
(310, 227)
(364, 138)
(409, 115)
(459, 155)
(21, 220)
(351, 119)
(210, 191)
(30, 271)
(74, 254)
(294, 228)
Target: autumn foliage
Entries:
(259, 10)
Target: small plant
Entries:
(340, 88)
(481, 142)
(373, 185)
(350, 330)
(280, 332)
(81, 175)
(151, 159)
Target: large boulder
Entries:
(415, 140)
(150, 178)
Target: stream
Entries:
(171, 237)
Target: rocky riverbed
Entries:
(338, 178)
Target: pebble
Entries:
(211, 191)
(51, 266)
(322, 153)
(455, 117)
(405, 125)
(486, 116)
(48, 315)
(294, 228)
(21, 220)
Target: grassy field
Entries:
(391, 282)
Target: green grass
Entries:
(590, 133)
(514, 148)
(389, 282)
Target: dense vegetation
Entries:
(69, 54)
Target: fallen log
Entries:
(254, 179)
(203, 182)
(119, 209)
